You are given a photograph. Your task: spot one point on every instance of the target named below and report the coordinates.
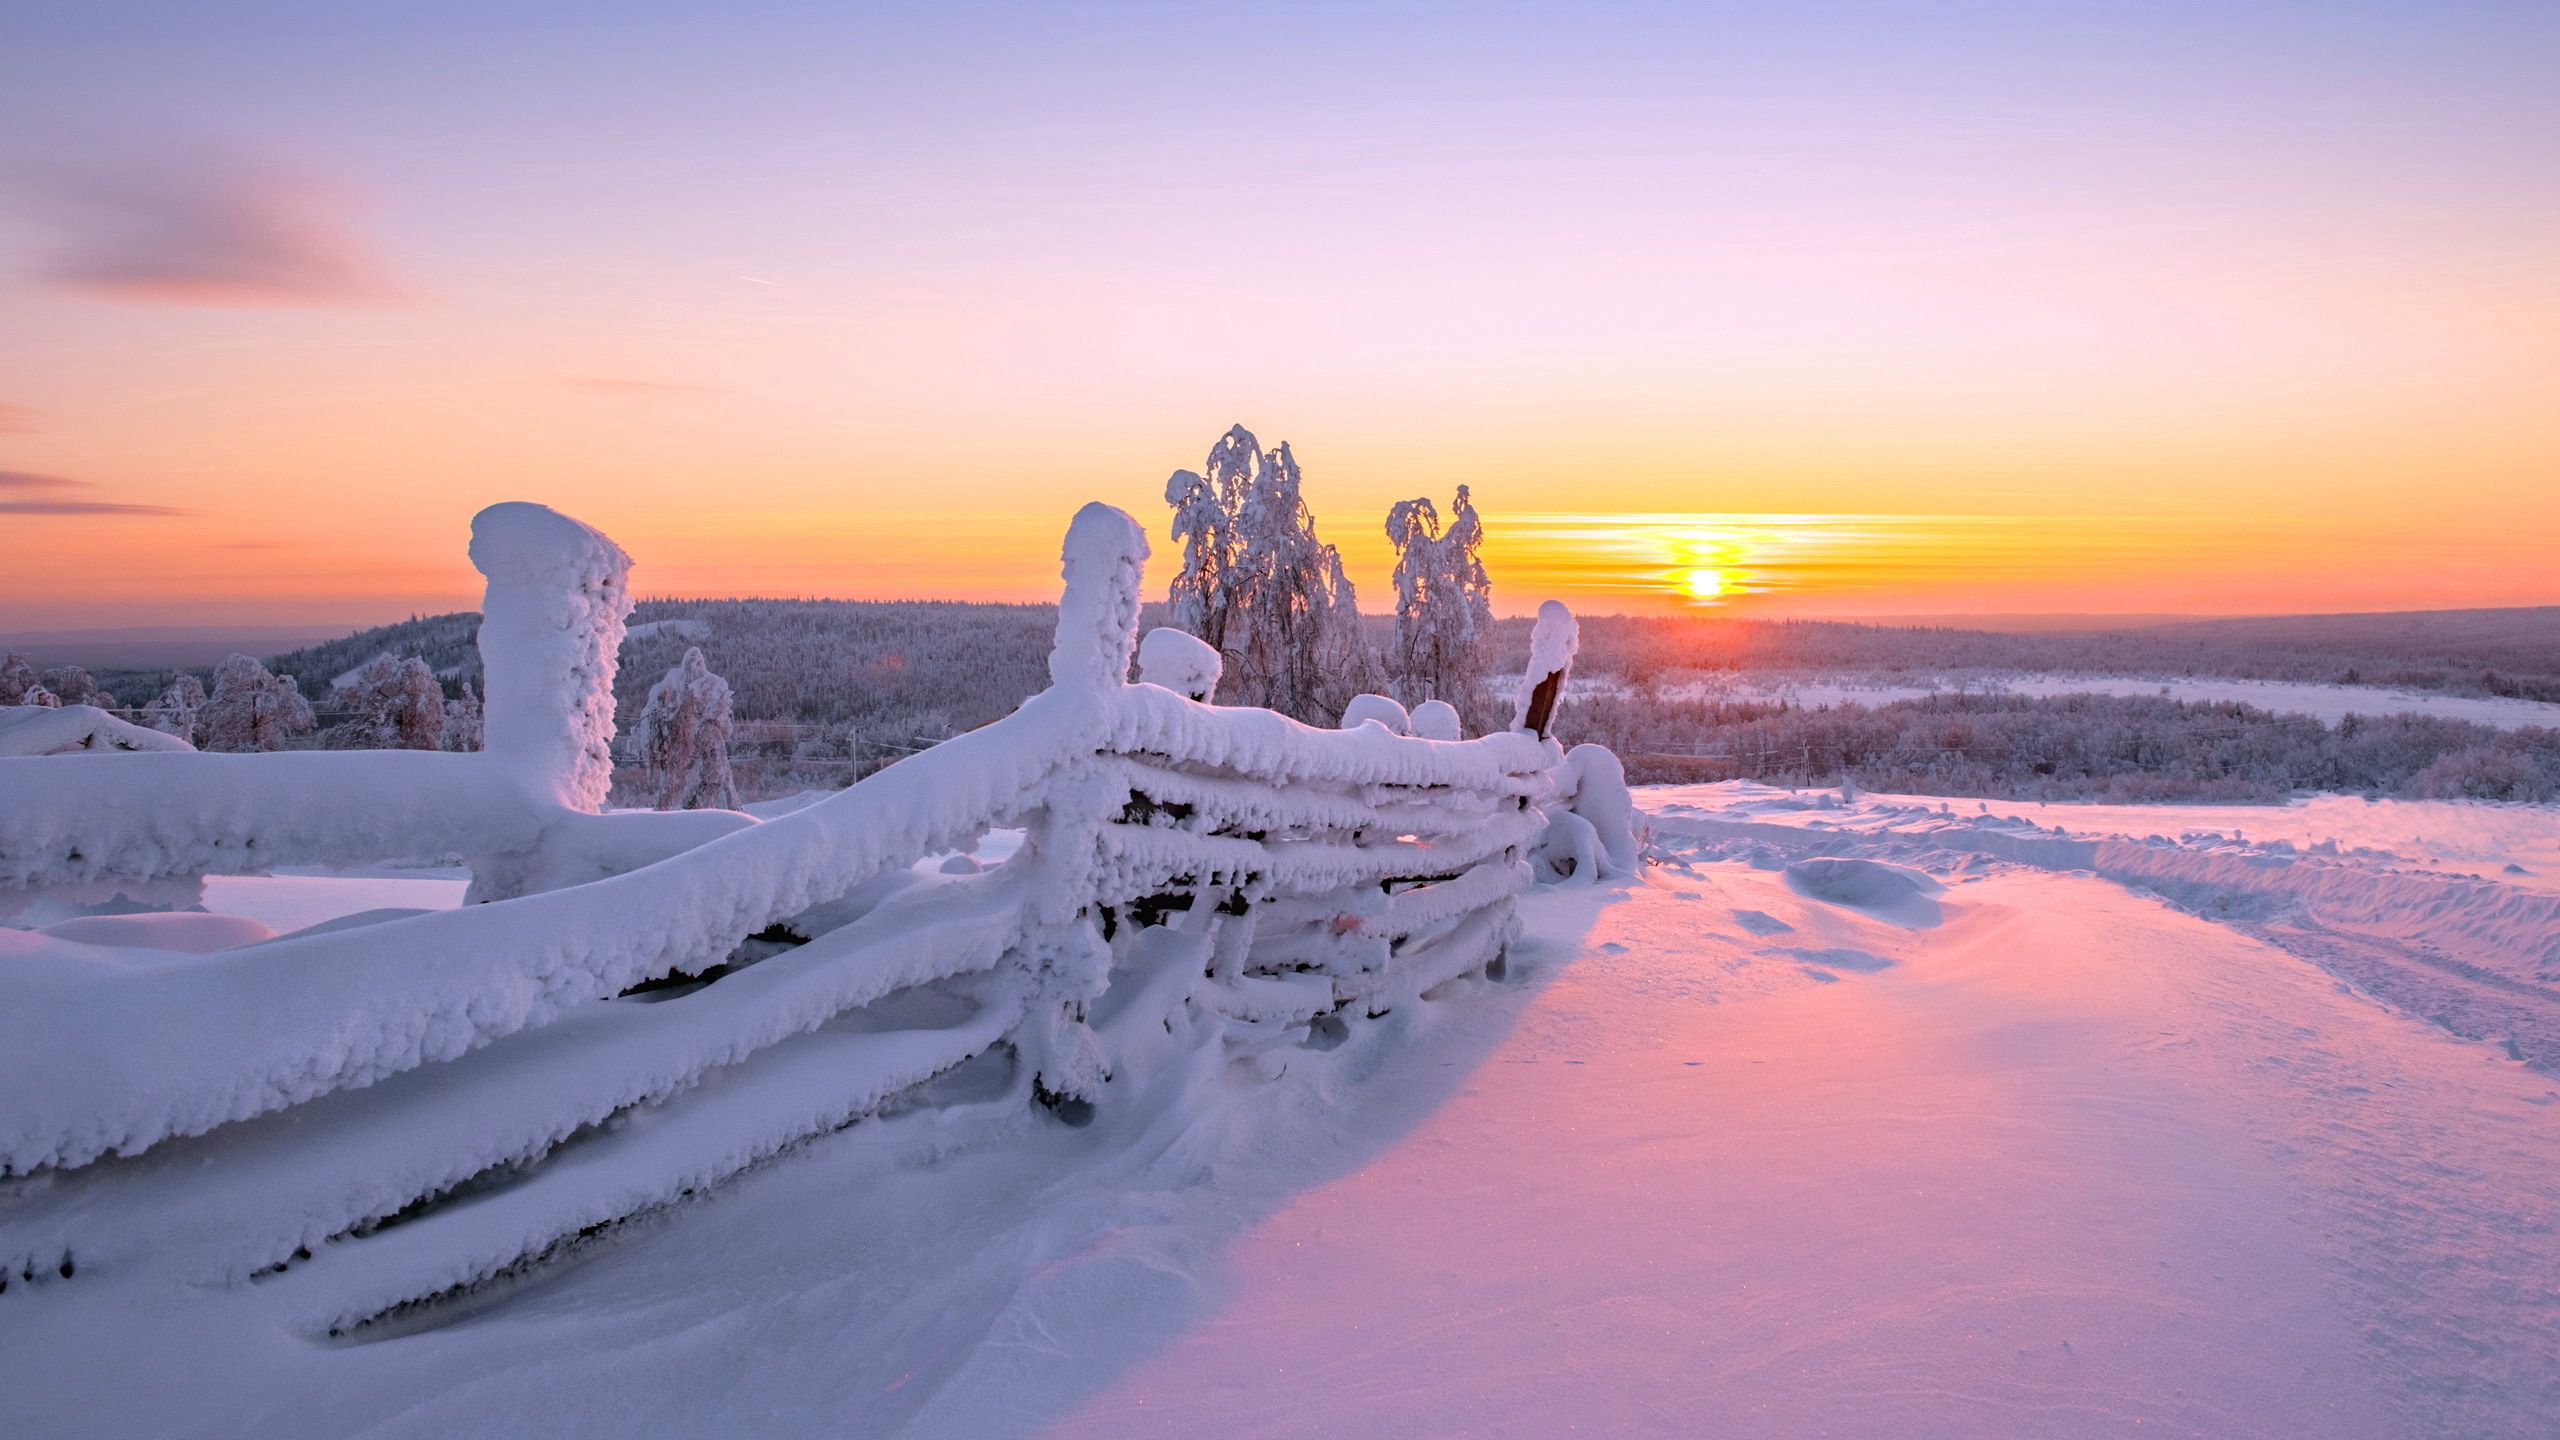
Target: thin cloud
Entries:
(13, 420)
(45, 496)
(212, 232)
(609, 385)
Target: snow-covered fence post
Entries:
(550, 633)
(1068, 964)
(1104, 561)
(1552, 642)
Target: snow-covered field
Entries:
(2326, 703)
(1871, 1117)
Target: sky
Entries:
(1814, 308)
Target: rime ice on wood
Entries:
(550, 631)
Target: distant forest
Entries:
(830, 689)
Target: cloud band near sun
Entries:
(25, 494)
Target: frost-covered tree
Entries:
(73, 685)
(177, 709)
(17, 677)
(396, 704)
(1257, 583)
(1205, 506)
(462, 724)
(251, 709)
(683, 737)
(1444, 601)
(40, 697)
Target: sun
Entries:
(1702, 584)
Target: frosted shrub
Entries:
(253, 710)
(73, 685)
(398, 706)
(177, 710)
(683, 737)
(462, 720)
(17, 677)
(1444, 601)
(2482, 773)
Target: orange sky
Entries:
(2177, 312)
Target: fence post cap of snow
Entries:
(1103, 560)
(522, 541)
(1552, 642)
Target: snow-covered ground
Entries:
(1869, 1117)
(2327, 703)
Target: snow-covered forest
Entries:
(827, 690)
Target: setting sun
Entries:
(1703, 586)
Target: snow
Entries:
(1553, 639)
(2325, 702)
(180, 931)
(1436, 720)
(550, 635)
(75, 729)
(960, 1103)
(1725, 1155)
(1378, 709)
(296, 898)
(1184, 664)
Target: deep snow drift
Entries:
(1873, 1117)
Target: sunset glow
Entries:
(1859, 317)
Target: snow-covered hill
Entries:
(1861, 1116)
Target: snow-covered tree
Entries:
(462, 720)
(41, 698)
(251, 709)
(1203, 595)
(17, 677)
(396, 705)
(73, 685)
(1444, 604)
(1257, 583)
(177, 709)
(683, 737)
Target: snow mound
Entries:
(1871, 885)
(190, 932)
(1184, 664)
(74, 730)
(1365, 708)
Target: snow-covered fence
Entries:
(423, 1103)
(553, 624)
